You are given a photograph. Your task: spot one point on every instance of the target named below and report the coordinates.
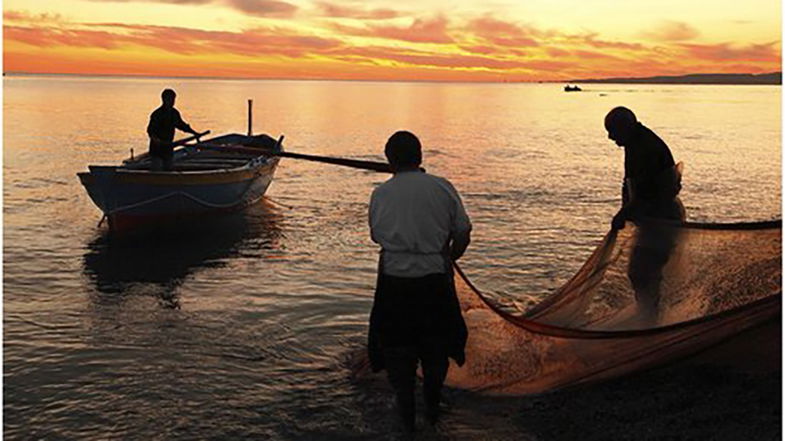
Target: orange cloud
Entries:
(767, 52)
(489, 26)
(590, 39)
(672, 31)
(43, 37)
(372, 55)
(455, 61)
(479, 49)
(259, 8)
(264, 8)
(420, 31)
(504, 33)
(556, 52)
(175, 2)
(593, 55)
(23, 16)
(333, 10)
(253, 42)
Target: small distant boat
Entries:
(569, 88)
(225, 173)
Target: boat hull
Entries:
(133, 197)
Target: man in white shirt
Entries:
(420, 223)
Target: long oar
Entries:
(180, 142)
(354, 163)
(382, 167)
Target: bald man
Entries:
(652, 182)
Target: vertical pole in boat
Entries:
(250, 117)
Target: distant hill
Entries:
(768, 78)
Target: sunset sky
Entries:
(461, 40)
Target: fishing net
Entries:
(649, 294)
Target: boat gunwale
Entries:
(146, 172)
(248, 171)
(249, 163)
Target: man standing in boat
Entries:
(420, 223)
(163, 121)
(652, 182)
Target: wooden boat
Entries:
(569, 88)
(225, 173)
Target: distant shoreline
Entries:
(774, 78)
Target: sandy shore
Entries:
(680, 403)
(730, 392)
(668, 404)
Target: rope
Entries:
(289, 207)
(182, 193)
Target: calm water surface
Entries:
(241, 326)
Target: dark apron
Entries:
(408, 311)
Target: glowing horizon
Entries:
(370, 40)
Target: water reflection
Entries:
(156, 263)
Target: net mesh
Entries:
(649, 294)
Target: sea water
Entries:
(242, 326)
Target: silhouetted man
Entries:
(422, 227)
(652, 182)
(163, 121)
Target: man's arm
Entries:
(461, 227)
(372, 207)
(625, 193)
(151, 128)
(182, 125)
(662, 180)
(629, 204)
(460, 241)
